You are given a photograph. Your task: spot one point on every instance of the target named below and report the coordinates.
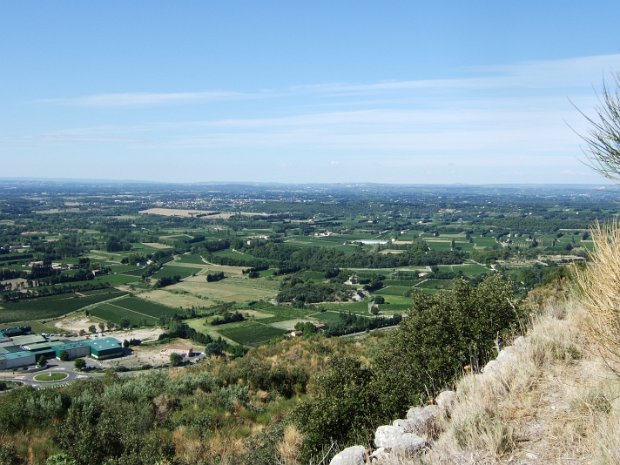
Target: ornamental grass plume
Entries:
(599, 289)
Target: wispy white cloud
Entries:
(136, 99)
(551, 75)
(493, 118)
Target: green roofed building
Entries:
(42, 345)
(47, 349)
(12, 360)
(73, 349)
(105, 347)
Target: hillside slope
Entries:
(548, 399)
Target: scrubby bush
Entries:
(443, 333)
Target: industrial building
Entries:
(10, 360)
(45, 349)
(25, 350)
(29, 339)
(73, 349)
(105, 347)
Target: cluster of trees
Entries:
(167, 281)
(443, 333)
(287, 257)
(214, 277)
(228, 317)
(299, 292)
(350, 323)
(12, 296)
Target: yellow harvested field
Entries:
(256, 314)
(207, 214)
(175, 212)
(157, 245)
(229, 289)
(180, 300)
(391, 252)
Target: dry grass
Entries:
(546, 400)
(290, 446)
(600, 292)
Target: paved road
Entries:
(55, 366)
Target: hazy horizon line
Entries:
(603, 183)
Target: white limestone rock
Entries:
(446, 400)
(421, 420)
(396, 439)
(355, 455)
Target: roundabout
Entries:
(52, 377)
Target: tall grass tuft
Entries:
(599, 287)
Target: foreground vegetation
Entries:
(245, 410)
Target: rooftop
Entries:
(72, 345)
(104, 343)
(25, 340)
(16, 355)
(43, 345)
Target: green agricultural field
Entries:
(116, 313)
(137, 272)
(390, 290)
(109, 256)
(239, 257)
(435, 284)
(53, 306)
(168, 271)
(388, 309)
(439, 245)
(194, 259)
(36, 326)
(252, 333)
(484, 242)
(468, 269)
(282, 313)
(341, 244)
(116, 279)
(359, 308)
(139, 312)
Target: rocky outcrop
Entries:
(355, 455)
(404, 437)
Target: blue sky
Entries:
(356, 91)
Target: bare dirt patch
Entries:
(143, 334)
(74, 323)
(153, 355)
